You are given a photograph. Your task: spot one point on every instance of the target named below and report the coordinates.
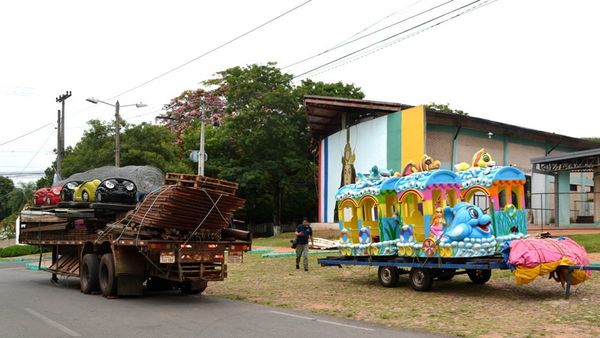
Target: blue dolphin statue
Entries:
(466, 221)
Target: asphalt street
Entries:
(31, 306)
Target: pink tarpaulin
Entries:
(531, 252)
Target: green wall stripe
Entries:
(394, 141)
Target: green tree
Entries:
(20, 196)
(8, 225)
(263, 141)
(593, 139)
(444, 108)
(142, 144)
(48, 178)
(95, 149)
(147, 144)
(6, 187)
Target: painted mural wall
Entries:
(367, 146)
(389, 142)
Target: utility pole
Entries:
(117, 106)
(60, 149)
(117, 135)
(201, 154)
(58, 140)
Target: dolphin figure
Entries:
(466, 221)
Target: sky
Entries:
(529, 63)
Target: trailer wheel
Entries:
(420, 279)
(388, 276)
(107, 277)
(88, 273)
(479, 276)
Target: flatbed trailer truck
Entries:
(178, 237)
(123, 267)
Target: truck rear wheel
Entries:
(479, 276)
(107, 276)
(420, 279)
(88, 273)
(388, 276)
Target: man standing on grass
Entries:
(303, 232)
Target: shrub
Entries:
(20, 250)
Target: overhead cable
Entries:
(26, 134)
(367, 35)
(383, 40)
(368, 52)
(209, 52)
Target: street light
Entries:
(117, 123)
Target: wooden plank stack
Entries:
(185, 201)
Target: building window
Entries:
(573, 187)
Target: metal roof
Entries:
(324, 115)
(579, 161)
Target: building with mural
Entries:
(355, 135)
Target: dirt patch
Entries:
(595, 257)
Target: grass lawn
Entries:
(591, 243)
(284, 238)
(499, 308)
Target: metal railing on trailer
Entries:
(570, 269)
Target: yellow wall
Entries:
(413, 135)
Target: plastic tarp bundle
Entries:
(534, 257)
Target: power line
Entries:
(403, 38)
(377, 22)
(210, 51)
(26, 134)
(383, 40)
(35, 155)
(367, 35)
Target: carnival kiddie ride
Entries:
(439, 223)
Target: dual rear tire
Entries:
(88, 273)
(107, 276)
(98, 274)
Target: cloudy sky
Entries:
(530, 63)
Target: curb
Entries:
(17, 259)
(261, 250)
(34, 266)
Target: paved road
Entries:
(30, 306)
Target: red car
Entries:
(39, 197)
(54, 195)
